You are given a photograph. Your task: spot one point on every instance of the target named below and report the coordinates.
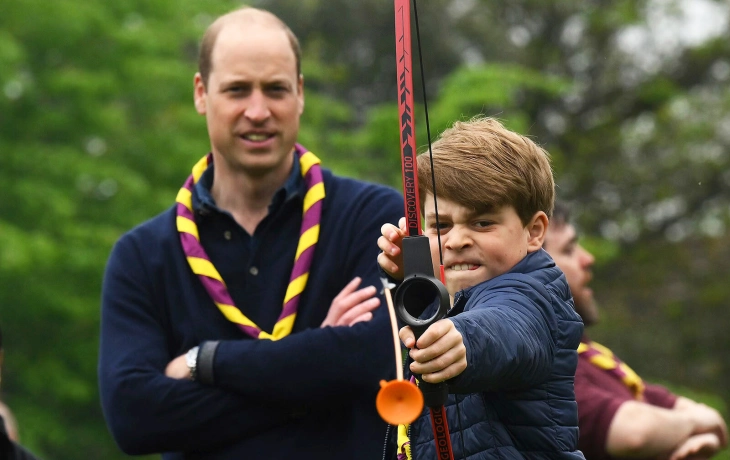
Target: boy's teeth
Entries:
(460, 267)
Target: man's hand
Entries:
(391, 259)
(708, 420)
(178, 369)
(441, 354)
(352, 305)
(697, 447)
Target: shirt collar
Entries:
(293, 187)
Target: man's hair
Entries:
(256, 15)
(561, 214)
(481, 165)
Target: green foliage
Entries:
(492, 90)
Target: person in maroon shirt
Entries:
(619, 414)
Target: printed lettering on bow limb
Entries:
(407, 141)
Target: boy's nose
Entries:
(457, 238)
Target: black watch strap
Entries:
(206, 355)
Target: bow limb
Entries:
(419, 287)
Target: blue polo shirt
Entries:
(236, 254)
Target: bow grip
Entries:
(419, 287)
(416, 293)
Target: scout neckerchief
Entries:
(404, 443)
(602, 357)
(213, 282)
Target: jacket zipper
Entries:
(385, 444)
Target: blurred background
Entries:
(98, 131)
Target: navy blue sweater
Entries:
(309, 395)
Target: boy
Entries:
(507, 348)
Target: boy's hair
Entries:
(483, 166)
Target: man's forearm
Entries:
(642, 430)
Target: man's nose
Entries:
(586, 257)
(257, 109)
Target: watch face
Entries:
(191, 356)
(191, 359)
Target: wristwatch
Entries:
(191, 359)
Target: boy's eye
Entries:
(482, 223)
(443, 226)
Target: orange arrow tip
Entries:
(399, 402)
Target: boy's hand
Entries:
(352, 305)
(391, 241)
(441, 354)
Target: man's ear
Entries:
(536, 229)
(300, 93)
(200, 94)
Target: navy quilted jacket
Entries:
(515, 399)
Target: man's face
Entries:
(476, 246)
(253, 99)
(561, 242)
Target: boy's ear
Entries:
(537, 227)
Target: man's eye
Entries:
(236, 90)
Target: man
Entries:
(9, 449)
(233, 325)
(619, 414)
(9, 424)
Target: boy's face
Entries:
(478, 247)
